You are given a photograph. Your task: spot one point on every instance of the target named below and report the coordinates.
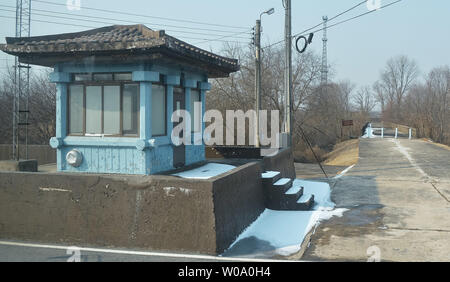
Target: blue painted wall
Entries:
(125, 155)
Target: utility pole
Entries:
(324, 70)
(257, 78)
(21, 78)
(257, 41)
(288, 73)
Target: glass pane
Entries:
(158, 110)
(195, 115)
(130, 108)
(103, 76)
(111, 110)
(93, 109)
(82, 77)
(76, 109)
(122, 76)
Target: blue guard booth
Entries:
(117, 88)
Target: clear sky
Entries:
(358, 49)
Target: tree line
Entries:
(401, 93)
(41, 104)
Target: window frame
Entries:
(161, 82)
(119, 83)
(192, 111)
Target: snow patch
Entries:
(293, 190)
(286, 230)
(204, 172)
(369, 133)
(169, 191)
(270, 174)
(282, 181)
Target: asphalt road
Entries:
(398, 201)
(14, 251)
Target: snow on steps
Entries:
(281, 194)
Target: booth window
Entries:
(196, 113)
(158, 110)
(98, 105)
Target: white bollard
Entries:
(382, 132)
(396, 133)
(410, 133)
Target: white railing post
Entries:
(396, 133)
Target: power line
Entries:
(112, 23)
(87, 26)
(306, 31)
(319, 24)
(332, 18)
(145, 16)
(355, 17)
(219, 38)
(130, 21)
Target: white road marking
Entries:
(53, 189)
(405, 152)
(140, 253)
(343, 172)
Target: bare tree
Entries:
(364, 100)
(396, 79)
(42, 107)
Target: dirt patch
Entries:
(343, 154)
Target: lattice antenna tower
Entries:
(21, 79)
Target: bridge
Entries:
(398, 201)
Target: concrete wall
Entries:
(44, 154)
(238, 201)
(282, 162)
(153, 212)
(164, 213)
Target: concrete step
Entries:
(294, 193)
(305, 202)
(270, 177)
(282, 195)
(282, 185)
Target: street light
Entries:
(269, 12)
(258, 71)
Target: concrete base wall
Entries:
(163, 213)
(238, 200)
(153, 212)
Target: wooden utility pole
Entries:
(288, 73)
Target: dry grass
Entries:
(344, 154)
(437, 144)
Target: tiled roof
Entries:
(112, 38)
